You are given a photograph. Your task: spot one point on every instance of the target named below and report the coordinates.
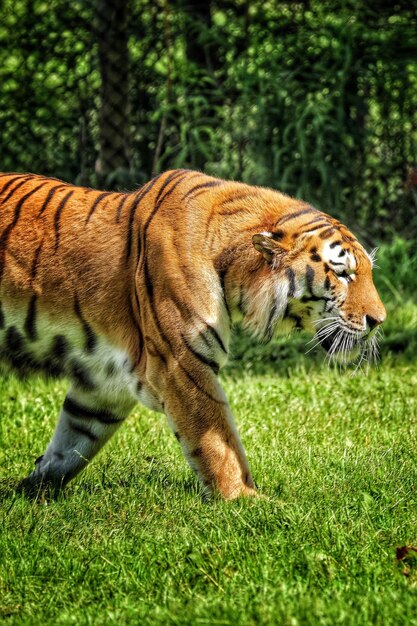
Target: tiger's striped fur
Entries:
(132, 297)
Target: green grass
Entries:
(132, 541)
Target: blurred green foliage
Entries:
(318, 99)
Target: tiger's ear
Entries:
(267, 244)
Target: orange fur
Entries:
(160, 272)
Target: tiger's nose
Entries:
(372, 323)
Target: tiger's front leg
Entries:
(200, 416)
(85, 423)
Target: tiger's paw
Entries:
(40, 487)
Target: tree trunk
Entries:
(113, 56)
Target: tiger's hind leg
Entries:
(85, 424)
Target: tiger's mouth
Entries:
(347, 346)
(327, 342)
(340, 340)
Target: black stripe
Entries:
(291, 279)
(10, 182)
(120, 207)
(197, 383)
(137, 327)
(30, 321)
(190, 192)
(81, 375)
(289, 315)
(217, 337)
(183, 305)
(335, 243)
(140, 336)
(310, 278)
(1, 316)
(201, 357)
(59, 349)
(326, 233)
(83, 431)
(139, 330)
(90, 336)
(148, 284)
(169, 192)
(30, 193)
(76, 410)
(335, 263)
(240, 303)
(165, 339)
(49, 197)
(152, 349)
(13, 174)
(14, 340)
(239, 196)
(158, 202)
(161, 198)
(96, 202)
(297, 319)
(7, 231)
(23, 199)
(35, 263)
(320, 218)
(13, 178)
(292, 216)
(222, 277)
(137, 200)
(269, 324)
(312, 229)
(233, 211)
(313, 298)
(132, 212)
(58, 217)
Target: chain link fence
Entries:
(317, 99)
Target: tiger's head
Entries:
(323, 278)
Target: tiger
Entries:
(132, 297)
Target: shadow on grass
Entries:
(144, 472)
(8, 489)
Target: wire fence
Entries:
(318, 99)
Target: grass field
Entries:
(132, 541)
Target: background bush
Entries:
(318, 99)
